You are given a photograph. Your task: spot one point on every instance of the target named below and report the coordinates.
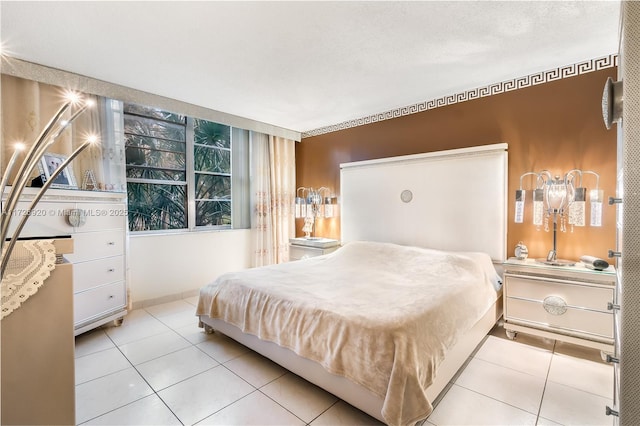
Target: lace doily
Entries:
(30, 265)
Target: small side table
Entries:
(304, 248)
(568, 303)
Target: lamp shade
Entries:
(558, 194)
(538, 206)
(577, 208)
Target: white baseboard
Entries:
(139, 304)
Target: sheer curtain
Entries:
(282, 159)
(272, 191)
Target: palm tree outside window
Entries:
(172, 159)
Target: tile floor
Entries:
(159, 368)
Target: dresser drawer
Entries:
(572, 321)
(576, 295)
(102, 216)
(95, 273)
(98, 302)
(46, 219)
(96, 245)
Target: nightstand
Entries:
(304, 248)
(567, 303)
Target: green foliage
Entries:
(155, 207)
(155, 151)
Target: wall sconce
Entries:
(314, 203)
(49, 134)
(561, 199)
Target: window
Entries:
(212, 168)
(178, 170)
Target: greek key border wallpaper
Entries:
(493, 89)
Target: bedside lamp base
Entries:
(554, 261)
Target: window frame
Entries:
(190, 182)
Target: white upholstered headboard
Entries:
(458, 200)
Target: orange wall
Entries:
(556, 126)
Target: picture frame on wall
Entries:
(49, 163)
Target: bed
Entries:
(385, 321)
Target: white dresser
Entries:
(568, 303)
(97, 222)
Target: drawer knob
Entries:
(111, 270)
(611, 412)
(111, 296)
(76, 217)
(111, 243)
(554, 305)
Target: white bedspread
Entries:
(380, 314)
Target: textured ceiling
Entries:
(305, 65)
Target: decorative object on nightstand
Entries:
(304, 248)
(313, 204)
(560, 199)
(594, 263)
(521, 251)
(568, 303)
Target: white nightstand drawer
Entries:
(577, 295)
(95, 245)
(95, 273)
(98, 301)
(573, 320)
(567, 303)
(300, 252)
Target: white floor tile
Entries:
(192, 300)
(512, 387)
(134, 316)
(193, 333)
(569, 406)
(343, 414)
(180, 319)
(517, 356)
(175, 367)
(170, 308)
(461, 406)
(99, 364)
(302, 398)
(254, 409)
(199, 397)
(107, 393)
(546, 422)
(503, 380)
(222, 348)
(92, 341)
(588, 376)
(255, 369)
(524, 338)
(146, 411)
(153, 347)
(142, 326)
